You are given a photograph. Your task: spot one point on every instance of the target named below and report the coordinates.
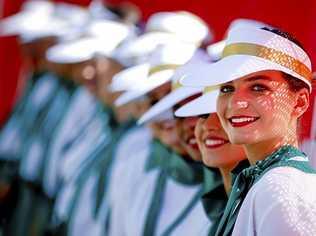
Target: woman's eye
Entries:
(227, 89)
(259, 88)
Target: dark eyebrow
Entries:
(259, 77)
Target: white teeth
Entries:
(243, 119)
(192, 141)
(212, 142)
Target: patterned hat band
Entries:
(163, 67)
(271, 55)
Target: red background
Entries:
(297, 17)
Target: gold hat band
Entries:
(209, 89)
(176, 85)
(159, 68)
(270, 54)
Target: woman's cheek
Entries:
(265, 105)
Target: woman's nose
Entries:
(239, 100)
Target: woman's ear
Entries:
(301, 103)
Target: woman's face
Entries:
(259, 108)
(185, 129)
(214, 144)
(165, 130)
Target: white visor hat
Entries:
(185, 25)
(137, 50)
(179, 92)
(215, 50)
(103, 37)
(250, 50)
(163, 62)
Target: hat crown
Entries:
(267, 39)
(184, 24)
(172, 54)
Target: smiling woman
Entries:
(264, 80)
(260, 111)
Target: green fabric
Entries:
(95, 158)
(284, 156)
(184, 171)
(29, 85)
(214, 198)
(159, 153)
(155, 204)
(33, 200)
(180, 169)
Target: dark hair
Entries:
(294, 83)
(284, 35)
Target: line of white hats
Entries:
(117, 40)
(247, 49)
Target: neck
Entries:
(227, 177)
(259, 151)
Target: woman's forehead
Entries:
(269, 76)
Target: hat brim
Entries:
(168, 102)
(80, 50)
(145, 86)
(215, 50)
(231, 68)
(73, 52)
(127, 78)
(145, 44)
(204, 104)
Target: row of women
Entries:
(125, 130)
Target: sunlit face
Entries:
(214, 144)
(84, 73)
(165, 130)
(258, 108)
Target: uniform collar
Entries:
(178, 168)
(214, 198)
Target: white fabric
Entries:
(97, 41)
(169, 54)
(185, 25)
(131, 190)
(178, 92)
(215, 50)
(176, 199)
(282, 202)
(83, 221)
(204, 104)
(130, 160)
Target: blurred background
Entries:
(297, 17)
